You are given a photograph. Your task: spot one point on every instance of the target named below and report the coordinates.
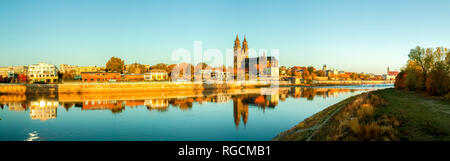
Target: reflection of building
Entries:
(133, 103)
(100, 76)
(159, 104)
(43, 72)
(113, 105)
(43, 110)
(240, 109)
(17, 106)
(156, 75)
(221, 98)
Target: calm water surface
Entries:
(232, 115)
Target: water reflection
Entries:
(45, 107)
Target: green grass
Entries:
(421, 117)
(397, 115)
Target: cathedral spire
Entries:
(245, 45)
(237, 44)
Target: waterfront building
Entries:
(272, 72)
(245, 66)
(80, 70)
(100, 76)
(133, 77)
(4, 72)
(216, 75)
(390, 75)
(64, 68)
(156, 75)
(43, 72)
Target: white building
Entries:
(43, 72)
(272, 72)
(156, 75)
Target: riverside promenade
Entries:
(78, 87)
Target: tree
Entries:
(400, 80)
(114, 65)
(423, 58)
(438, 81)
(163, 67)
(414, 77)
(137, 68)
(310, 69)
(306, 75)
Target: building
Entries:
(43, 72)
(215, 75)
(272, 72)
(100, 76)
(156, 75)
(64, 68)
(245, 67)
(14, 71)
(4, 72)
(133, 77)
(240, 55)
(390, 75)
(80, 70)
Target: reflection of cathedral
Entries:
(240, 109)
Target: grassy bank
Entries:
(387, 114)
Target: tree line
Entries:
(427, 70)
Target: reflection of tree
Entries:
(183, 104)
(67, 106)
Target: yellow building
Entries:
(80, 70)
(156, 75)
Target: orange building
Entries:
(134, 77)
(100, 76)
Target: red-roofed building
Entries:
(390, 75)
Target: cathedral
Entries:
(262, 66)
(240, 54)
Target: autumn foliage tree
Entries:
(115, 65)
(427, 70)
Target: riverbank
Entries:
(387, 114)
(76, 87)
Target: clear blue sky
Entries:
(351, 35)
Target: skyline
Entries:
(351, 35)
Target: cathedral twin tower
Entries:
(240, 55)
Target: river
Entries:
(246, 115)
